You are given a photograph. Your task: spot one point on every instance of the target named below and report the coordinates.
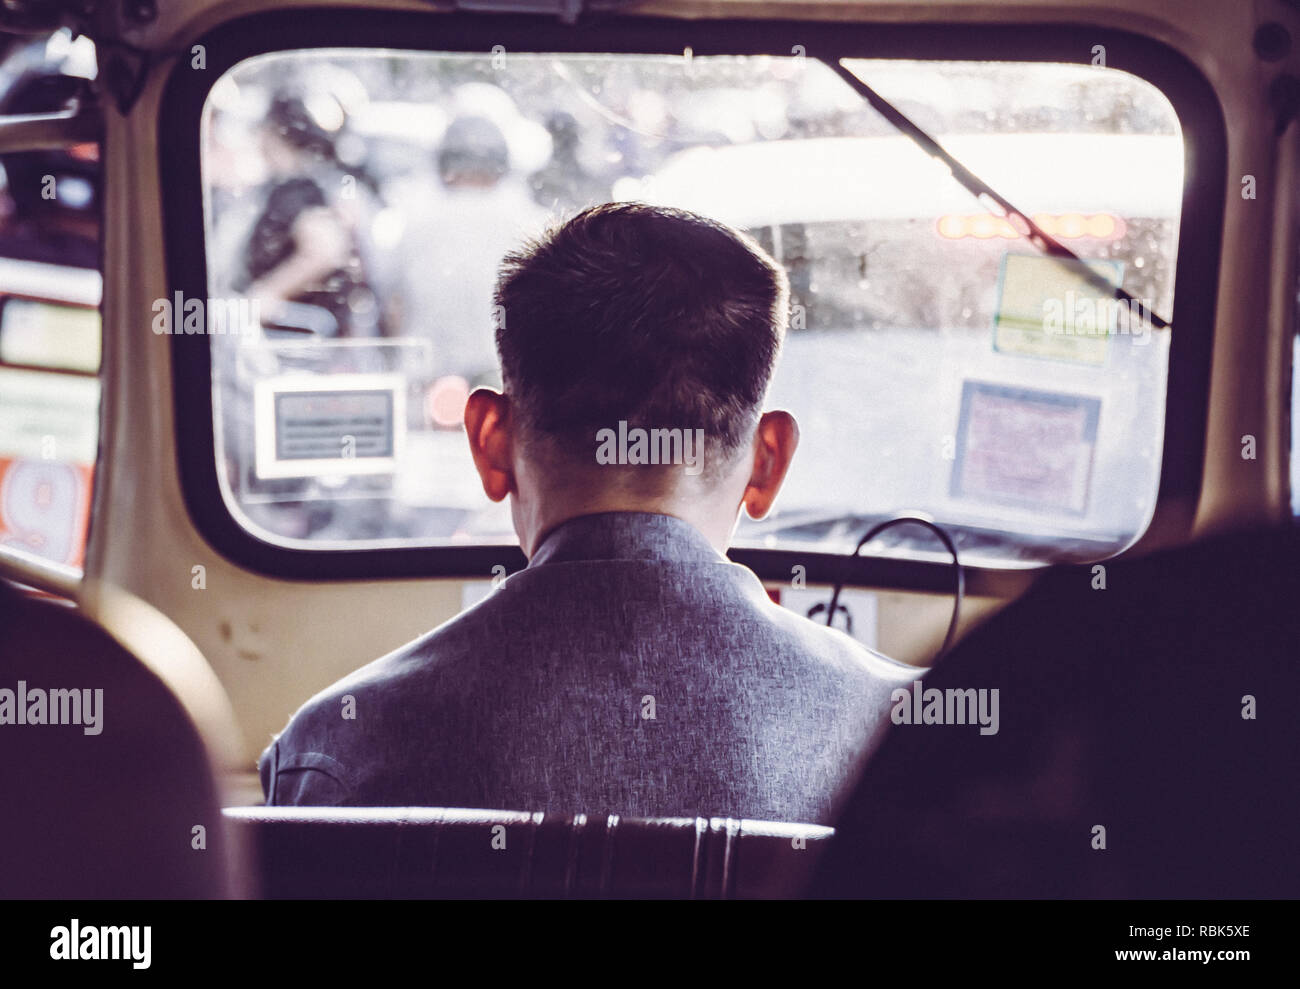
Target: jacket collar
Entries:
(625, 536)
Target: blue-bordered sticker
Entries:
(1024, 447)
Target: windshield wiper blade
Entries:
(981, 190)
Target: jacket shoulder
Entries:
(840, 651)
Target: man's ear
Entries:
(489, 429)
(775, 441)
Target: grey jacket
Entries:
(629, 669)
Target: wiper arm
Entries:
(981, 190)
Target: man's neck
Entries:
(705, 515)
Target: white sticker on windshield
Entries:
(342, 424)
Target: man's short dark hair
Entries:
(651, 315)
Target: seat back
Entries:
(108, 787)
(1146, 745)
(416, 852)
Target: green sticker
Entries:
(1048, 308)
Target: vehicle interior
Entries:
(232, 509)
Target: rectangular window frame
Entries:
(1195, 281)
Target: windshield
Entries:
(935, 362)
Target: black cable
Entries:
(959, 590)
